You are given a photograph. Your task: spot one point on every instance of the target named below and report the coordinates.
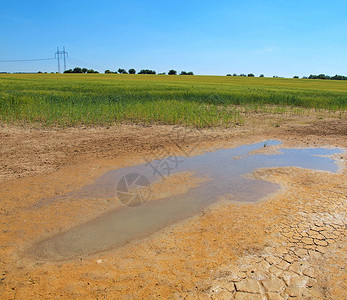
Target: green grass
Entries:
(200, 101)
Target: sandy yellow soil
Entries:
(292, 244)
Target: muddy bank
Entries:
(32, 151)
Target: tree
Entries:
(185, 73)
(132, 71)
(172, 72)
(228, 74)
(296, 77)
(147, 72)
(320, 76)
(234, 74)
(250, 75)
(122, 71)
(108, 72)
(261, 75)
(77, 70)
(91, 71)
(338, 77)
(85, 70)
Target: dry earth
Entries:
(292, 244)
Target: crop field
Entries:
(199, 101)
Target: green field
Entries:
(200, 101)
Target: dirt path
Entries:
(291, 245)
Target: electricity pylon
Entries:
(61, 54)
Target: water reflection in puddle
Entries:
(225, 170)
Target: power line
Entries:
(87, 63)
(58, 55)
(34, 59)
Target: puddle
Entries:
(224, 170)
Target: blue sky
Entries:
(283, 38)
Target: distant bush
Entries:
(122, 71)
(234, 74)
(261, 75)
(132, 71)
(110, 72)
(146, 72)
(228, 74)
(75, 70)
(296, 77)
(338, 77)
(250, 75)
(92, 71)
(172, 72)
(79, 70)
(320, 76)
(186, 73)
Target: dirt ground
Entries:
(292, 244)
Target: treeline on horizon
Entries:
(323, 76)
(320, 76)
(123, 71)
(174, 72)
